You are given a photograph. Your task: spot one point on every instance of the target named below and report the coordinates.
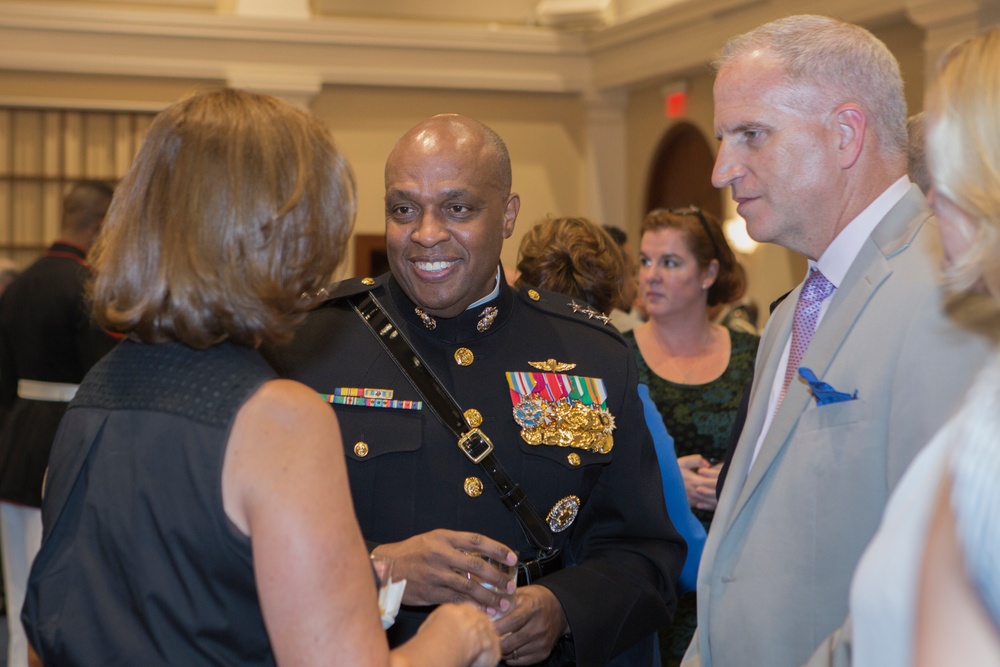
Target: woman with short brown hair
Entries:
(197, 510)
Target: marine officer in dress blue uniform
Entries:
(47, 344)
(548, 381)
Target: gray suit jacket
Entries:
(786, 536)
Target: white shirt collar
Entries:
(836, 260)
(492, 295)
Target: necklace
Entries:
(691, 370)
(701, 366)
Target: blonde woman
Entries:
(927, 590)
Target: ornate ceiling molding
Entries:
(342, 51)
(302, 55)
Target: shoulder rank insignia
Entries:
(310, 298)
(562, 410)
(589, 312)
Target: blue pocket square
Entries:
(823, 392)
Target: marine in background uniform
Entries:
(546, 379)
(47, 344)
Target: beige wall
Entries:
(544, 135)
(905, 40)
(647, 125)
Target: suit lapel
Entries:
(848, 302)
(868, 271)
(775, 334)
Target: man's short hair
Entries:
(830, 62)
(85, 205)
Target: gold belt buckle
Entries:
(475, 445)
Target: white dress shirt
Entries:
(834, 263)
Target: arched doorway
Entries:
(681, 173)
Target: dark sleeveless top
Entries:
(700, 416)
(139, 564)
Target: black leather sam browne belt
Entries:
(472, 442)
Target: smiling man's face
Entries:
(446, 215)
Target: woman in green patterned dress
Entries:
(696, 370)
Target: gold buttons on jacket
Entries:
(473, 417)
(361, 448)
(464, 356)
(533, 295)
(367, 281)
(574, 459)
(473, 487)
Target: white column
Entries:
(606, 159)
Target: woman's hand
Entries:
(700, 477)
(462, 626)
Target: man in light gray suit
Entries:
(812, 120)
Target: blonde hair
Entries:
(963, 149)
(235, 206)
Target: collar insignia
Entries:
(486, 318)
(429, 322)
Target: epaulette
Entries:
(349, 287)
(568, 308)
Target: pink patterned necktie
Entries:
(816, 289)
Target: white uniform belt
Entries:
(46, 391)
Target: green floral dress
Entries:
(699, 417)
